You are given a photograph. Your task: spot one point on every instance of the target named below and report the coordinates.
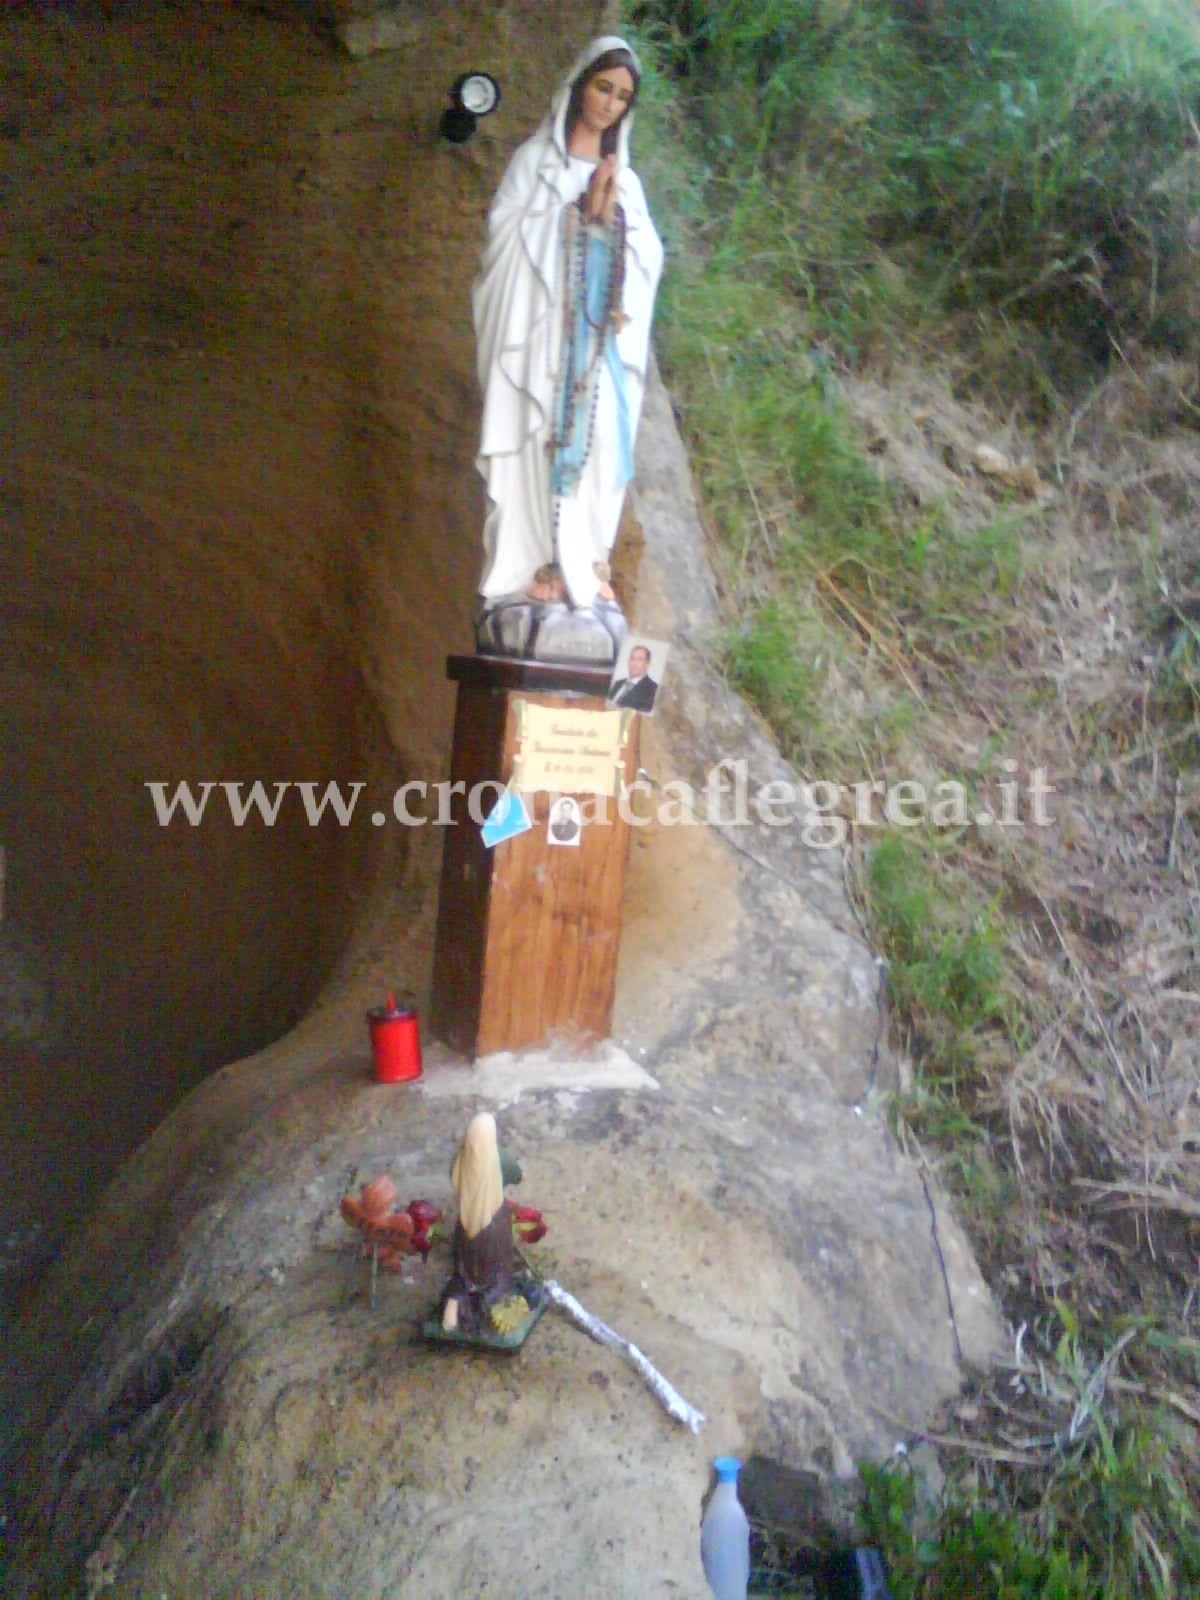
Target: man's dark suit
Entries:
(635, 693)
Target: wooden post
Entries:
(527, 932)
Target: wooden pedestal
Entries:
(527, 932)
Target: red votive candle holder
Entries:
(395, 1041)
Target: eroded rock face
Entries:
(730, 1200)
(268, 514)
(212, 526)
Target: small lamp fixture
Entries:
(472, 96)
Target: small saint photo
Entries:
(638, 674)
(565, 822)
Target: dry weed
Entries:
(1096, 1113)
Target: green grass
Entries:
(811, 534)
(854, 187)
(780, 661)
(1179, 676)
(1030, 156)
(974, 1554)
(1116, 1522)
(946, 965)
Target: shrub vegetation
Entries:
(931, 325)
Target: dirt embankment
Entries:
(240, 530)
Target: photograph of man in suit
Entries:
(638, 690)
(564, 822)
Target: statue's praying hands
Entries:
(602, 192)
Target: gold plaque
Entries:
(569, 752)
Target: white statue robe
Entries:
(519, 326)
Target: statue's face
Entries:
(606, 99)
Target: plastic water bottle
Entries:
(725, 1535)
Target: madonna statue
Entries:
(563, 305)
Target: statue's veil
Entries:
(553, 130)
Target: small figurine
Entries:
(483, 1239)
(492, 1299)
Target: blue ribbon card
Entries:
(507, 818)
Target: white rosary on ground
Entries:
(671, 1400)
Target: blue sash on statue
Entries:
(575, 404)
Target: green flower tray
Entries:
(490, 1338)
